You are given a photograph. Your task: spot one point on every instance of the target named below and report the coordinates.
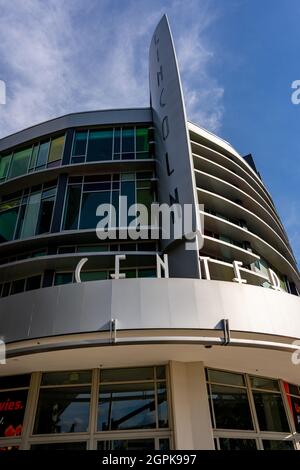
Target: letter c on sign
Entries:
(79, 268)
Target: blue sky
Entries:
(237, 58)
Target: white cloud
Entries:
(59, 57)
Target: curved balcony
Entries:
(223, 146)
(217, 157)
(254, 223)
(231, 192)
(222, 249)
(260, 246)
(221, 172)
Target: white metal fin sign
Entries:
(172, 146)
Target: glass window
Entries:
(100, 145)
(31, 215)
(79, 146)
(126, 406)
(12, 409)
(8, 219)
(62, 410)
(56, 149)
(147, 272)
(17, 286)
(294, 403)
(92, 248)
(71, 215)
(127, 444)
(144, 196)
(142, 140)
(117, 143)
(237, 444)
(270, 412)
(33, 158)
(59, 446)
(67, 378)
(20, 162)
(9, 448)
(4, 166)
(63, 278)
(164, 444)
(90, 202)
(264, 383)
(93, 276)
(222, 377)
(278, 445)
(127, 141)
(231, 407)
(162, 405)
(33, 282)
(14, 381)
(46, 210)
(42, 155)
(127, 375)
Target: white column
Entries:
(191, 416)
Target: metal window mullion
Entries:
(19, 214)
(54, 203)
(113, 143)
(93, 407)
(251, 403)
(64, 205)
(87, 144)
(213, 417)
(121, 140)
(134, 132)
(31, 407)
(156, 402)
(80, 205)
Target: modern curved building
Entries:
(111, 344)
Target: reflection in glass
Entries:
(100, 145)
(20, 163)
(270, 412)
(56, 148)
(46, 210)
(162, 405)
(127, 374)
(4, 166)
(79, 147)
(62, 410)
(231, 407)
(67, 378)
(72, 207)
(264, 383)
(42, 155)
(31, 215)
(127, 141)
(63, 278)
(12, 405)
(142, 140)
(237, 444)
(278, 445)
(222, 377)
(8, 219)
(127, 444)
(126, 406)
(59, 446)
(90, 202)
